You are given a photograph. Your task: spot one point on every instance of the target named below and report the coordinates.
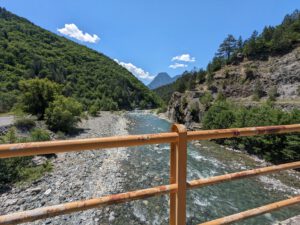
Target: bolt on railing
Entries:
(178, 168)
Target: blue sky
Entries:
(149, 37)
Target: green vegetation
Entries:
(272, 41)
(273, 94)
(258, 92)
(22, 169)
(30, 52)
(37, 95)
(63, 114)
(39, 135)
(206, 99)
(275, 148)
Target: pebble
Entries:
(111, 217)
(47, 192)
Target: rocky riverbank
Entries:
(76, 176)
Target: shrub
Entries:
(94, 110)
(206, 100)
(39, 135)
(63, 114)
(220, 96)
(10, 137)
(257, 91)
(162, 109)
(275, 148)
(273, 94)
(37, 95)
(7, 101)
(19, 169)
(25, 123)
(220, 115)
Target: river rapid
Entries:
(148, 166)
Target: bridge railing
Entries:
(178, 138)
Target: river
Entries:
(149, 166)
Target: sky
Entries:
(148, 37)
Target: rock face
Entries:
(238, 82)
(186, 108)
(281, 72)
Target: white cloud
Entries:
(178, 65)
(72, 30)
(184, 58)
(136, 71)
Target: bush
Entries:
(162, 109)
(219, 116)
(273, 94)
(258, 92)
(94, 110)
(39, 135)
(19, 169)
(7, 101)
(275, 148)
(206, 100)
(63, 114)
(37, 95)
(25, 123)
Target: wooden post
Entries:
(178, 170)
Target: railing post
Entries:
(178, 170)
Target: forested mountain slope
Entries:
(28, 51)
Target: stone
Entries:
(10, 202)
(111, 217)
(34, 190)
(47, 192)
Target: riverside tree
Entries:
(37, 94)
(63, 114)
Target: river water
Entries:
(149, 166)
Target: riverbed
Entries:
(90, 174)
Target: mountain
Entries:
(28, 51)
(162, 79)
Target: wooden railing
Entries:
(178, 138)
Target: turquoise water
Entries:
(149, 166)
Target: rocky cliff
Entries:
(238, 83)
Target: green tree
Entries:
(227, 47)
(220, 115)
(63, 114)
(37, 94)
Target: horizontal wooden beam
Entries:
(254, 212)
(55, 210)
